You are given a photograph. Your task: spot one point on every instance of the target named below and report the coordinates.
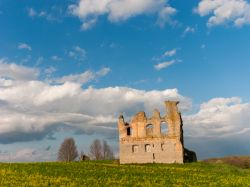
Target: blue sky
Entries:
(68, 68)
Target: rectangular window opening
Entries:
(135, 148)
(147, 148)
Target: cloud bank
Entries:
(33, 109)
(30, 108)
(220, 117)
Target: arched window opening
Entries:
(149, 130)
(129, 131)
(164, 129)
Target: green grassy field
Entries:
(112, 174)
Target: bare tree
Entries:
(96, 150)
(67, 151)
(107, 151)
(101, 151)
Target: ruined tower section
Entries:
(152, 140)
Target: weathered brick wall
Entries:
(151, 151)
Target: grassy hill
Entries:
(93, 173)
(238, 161)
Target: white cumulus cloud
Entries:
(225, 11)
(220, 117)
(165, 16)
(120, 10)
(18, 72)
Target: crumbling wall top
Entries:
(143, 127)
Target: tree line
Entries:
(98, 150)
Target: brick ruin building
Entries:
(144, 140)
